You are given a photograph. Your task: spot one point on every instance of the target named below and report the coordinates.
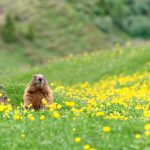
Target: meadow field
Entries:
(95, 55)
(101, 102)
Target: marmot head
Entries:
(38, 80)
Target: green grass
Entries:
(57, 134)
(61, 30)
(52, 134)
(89, 68)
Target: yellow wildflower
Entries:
(31, 117)
(86, 147)
(53, 107)
(2, 107)
(8, 99)
(147, 133)
(147, 127)
(98, 114)
(17, 117)
(106, 129)
(56, 115)
(44, 102)
(59, 106)
(137, 136)
(42, 117)
(29, 106)
(77, 139)
(70, 104)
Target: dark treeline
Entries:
(130, 16)
(109, 16)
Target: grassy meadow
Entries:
(102, 102)
(95, 55)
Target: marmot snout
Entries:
(37, 90)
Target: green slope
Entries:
(57, 26)
(91, 68)
(58, 29)
(58, 134)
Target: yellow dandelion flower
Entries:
(106, 129)
(42, 117)
(56, 115)
(52, 84)
(9, 108)
(53, 107)
(59, 106)
(44, 102)
(70, 104)
(77, 139)
(86, 147)
(2, 107)
(9, 100)
(31, 117)
(137, 136)
(147, 114)
(147, 133)
(17, 117)
(98, 114)
(147, 126)
(29, 106)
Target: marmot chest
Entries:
(37, 96)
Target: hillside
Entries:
(95, 55)
(102, 96)
(57, 29)
(127, 16)
(66, 26)
(57, 26)
(71, 70)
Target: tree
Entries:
(9, 30)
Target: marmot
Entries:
(37, 90)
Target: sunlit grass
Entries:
(84, 114)
(102, 101)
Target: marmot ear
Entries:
(34, 76)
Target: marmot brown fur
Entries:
(37, 90)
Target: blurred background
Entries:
(34, 32)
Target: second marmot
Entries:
(37, 90)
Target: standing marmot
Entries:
(37, 90)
